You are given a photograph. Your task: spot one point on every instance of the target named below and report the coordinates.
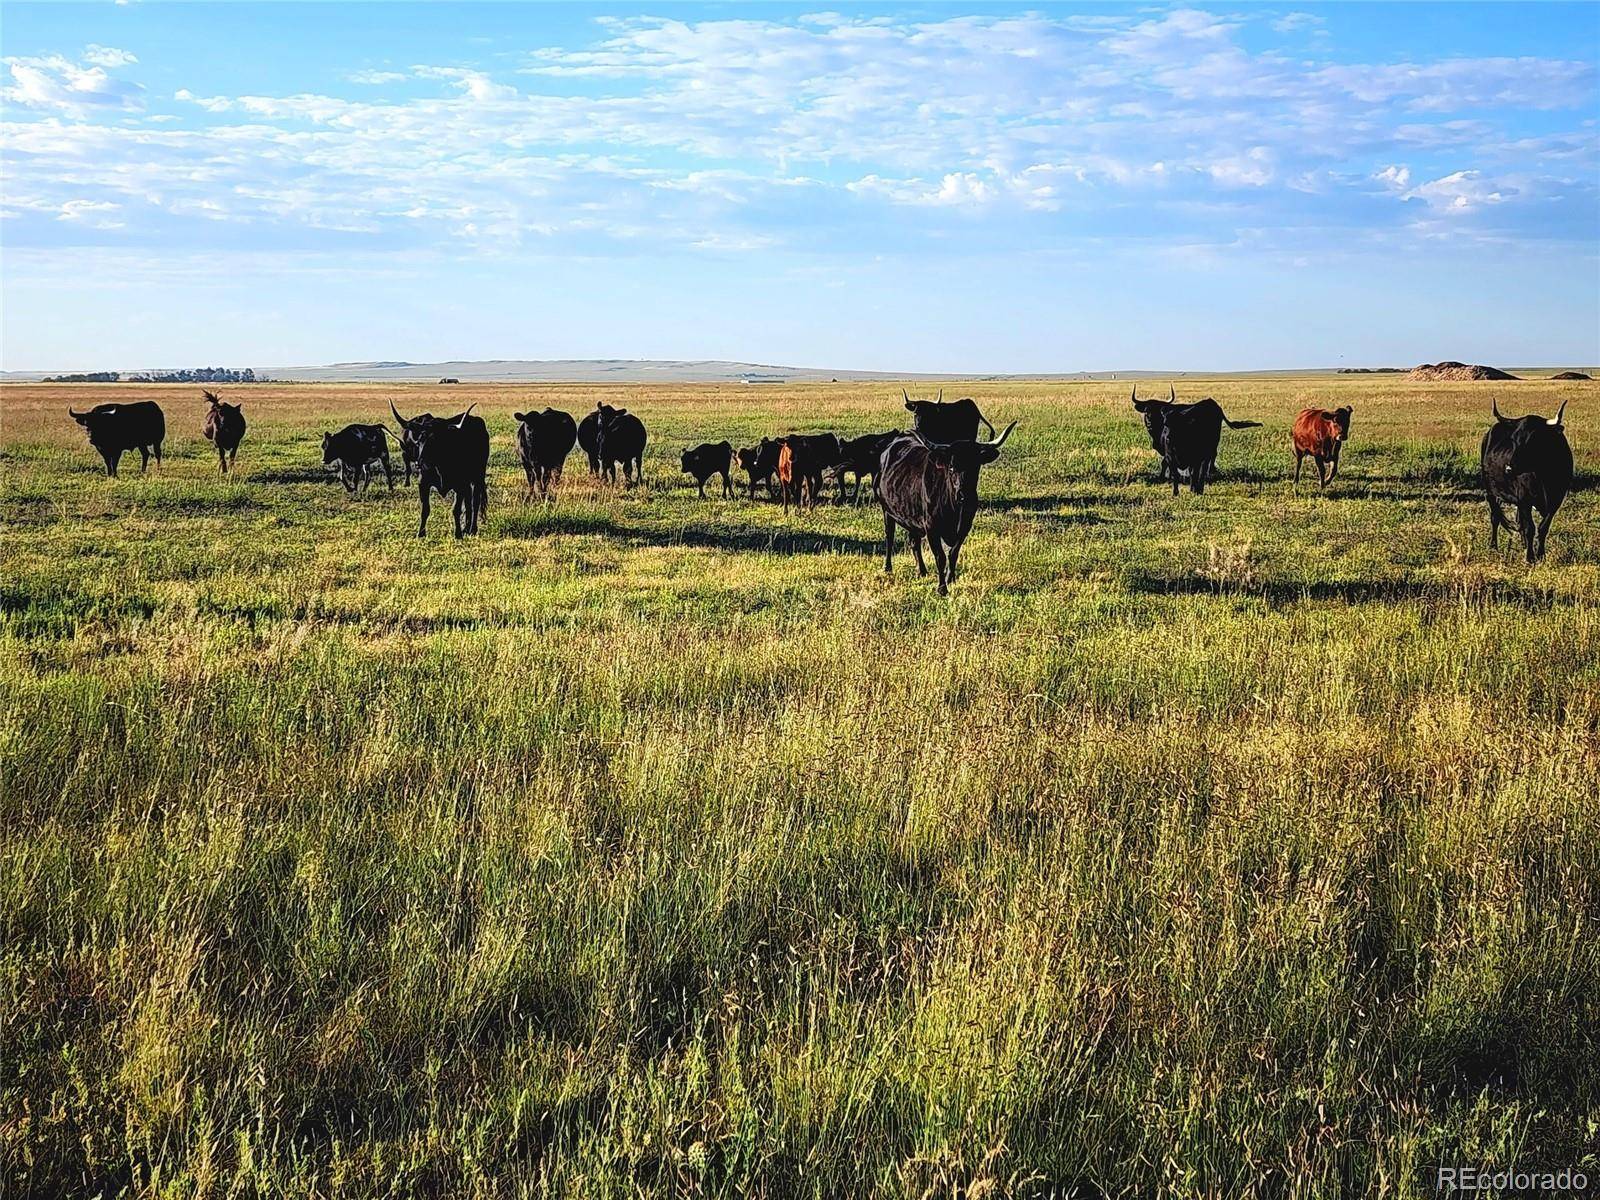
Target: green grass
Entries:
(1239, 845)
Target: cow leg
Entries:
(461, 511)
(157, 450)
(144, 459)
(1525, 527)
(222, 459)
(953, 551)
(1197, 478)
(888, 543)
(939, 562)
(388, 472)
(1544, 528)
(422, 494)
(1172, 473)
(1299, 461)
(916, 550)
(348, 478)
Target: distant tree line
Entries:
(187, 375)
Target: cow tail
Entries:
(1240, 424)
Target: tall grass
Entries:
(1240, 845)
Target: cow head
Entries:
(1341, 418)
(1154, 413)
(329, 454)
(964, 459)
(1530, 438)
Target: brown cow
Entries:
(785, 471)
(1320, 433)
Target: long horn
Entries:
(1559, 411)
(906, 395)
(1001, 440)
(72, 412)
(465, 415)
(1494, 403)
(397, 416)
(1172, 394)
(1133, 396)
(941, 396)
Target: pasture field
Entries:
(1222, 846)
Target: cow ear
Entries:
(519, 416)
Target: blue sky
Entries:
(933, 188)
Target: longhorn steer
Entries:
(1527, 464)
(452, 457)
(953, 422)
(931, 490)
(1187, 435)
(115, 428)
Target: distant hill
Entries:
(651, 370)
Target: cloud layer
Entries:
(824, 134)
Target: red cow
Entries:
(1320, 433)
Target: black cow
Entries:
(619, 438)
(708, 459)
(544, 439)
(589, 440)
(931, 490)
(802, 458)
(941, 422)
(1527, 464)
(760, 462)
(224, 428)
(115, 428)
(452, 456)
(1187, 435)
(410, 445)
(354, 448)
(860, 456)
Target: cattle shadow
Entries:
(696, 535)
(1279, 593)
(284, 475)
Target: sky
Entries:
(950, 187)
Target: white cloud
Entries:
(57, 83)
(107, 56)
(729, 134)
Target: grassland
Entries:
(1240, 845)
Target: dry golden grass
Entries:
(1239, 845)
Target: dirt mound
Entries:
(1572, 375)
(1457, 371)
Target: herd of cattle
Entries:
(926, 480)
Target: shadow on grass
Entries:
(1281, 592)
(714, 537)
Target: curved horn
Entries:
(1494, 403)
(1001, 440)
(1559, 411)
(397, 416)
(462, 422)
(905, 395)
(1172, 394)
(1133, 396)
(941, 396)
(74, 413)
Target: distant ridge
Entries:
(655, 370)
